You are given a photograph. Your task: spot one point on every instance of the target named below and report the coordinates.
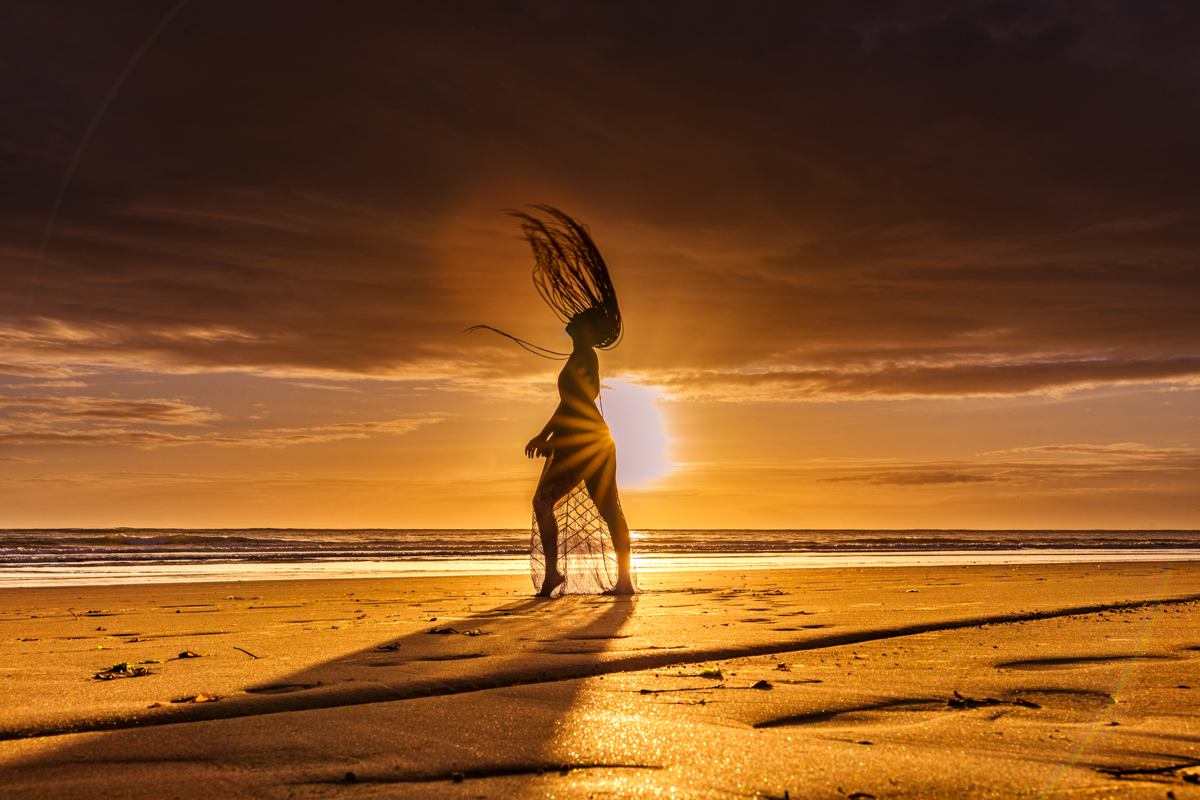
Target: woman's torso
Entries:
(578, 388)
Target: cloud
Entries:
(34, 370)
(902, 381)
(1030, 467)
(272, 437)
(160, 412)
(913, 478)
(47, 385)
(1123, 450)
(325, 386)
(341, 430)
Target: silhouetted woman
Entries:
(573, 280)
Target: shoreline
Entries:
(33, 577)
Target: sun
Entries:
(634, 415)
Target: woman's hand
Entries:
(539, 446)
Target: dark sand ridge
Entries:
(759, 614)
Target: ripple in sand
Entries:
(589, 638)
(282, 688)
(865, 714)
(1074, 663)
(456, 657)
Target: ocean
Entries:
(63, 557)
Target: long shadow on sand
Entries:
(527, 641)
(530, 641)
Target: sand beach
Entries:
(984, 681)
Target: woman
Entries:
(573, 280)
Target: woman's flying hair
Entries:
(570, 275)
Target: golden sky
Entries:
(882, 265)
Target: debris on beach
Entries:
(122, 670)
(199, 698)
(189, 654)
(781, 666)
(393, 647)
(476, 632)
(762, 685)
(960, 701)
(710, 672)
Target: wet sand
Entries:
(1049, 680)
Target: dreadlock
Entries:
(571, 277)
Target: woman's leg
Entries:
(601, 482)
(551, 488)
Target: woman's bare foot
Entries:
(624, 586)
(553, 581)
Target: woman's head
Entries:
(572, 277)
(593, 328)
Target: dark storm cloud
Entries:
(797, 200)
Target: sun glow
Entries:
(634, 415)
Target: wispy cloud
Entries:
(994, 377)
(1045, 465)
(1121, 450)
(33, 369)
(325, 386)
(12, 387)
(913, 477)
(160, 412)
(271, 437)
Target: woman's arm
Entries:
(540, 445)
